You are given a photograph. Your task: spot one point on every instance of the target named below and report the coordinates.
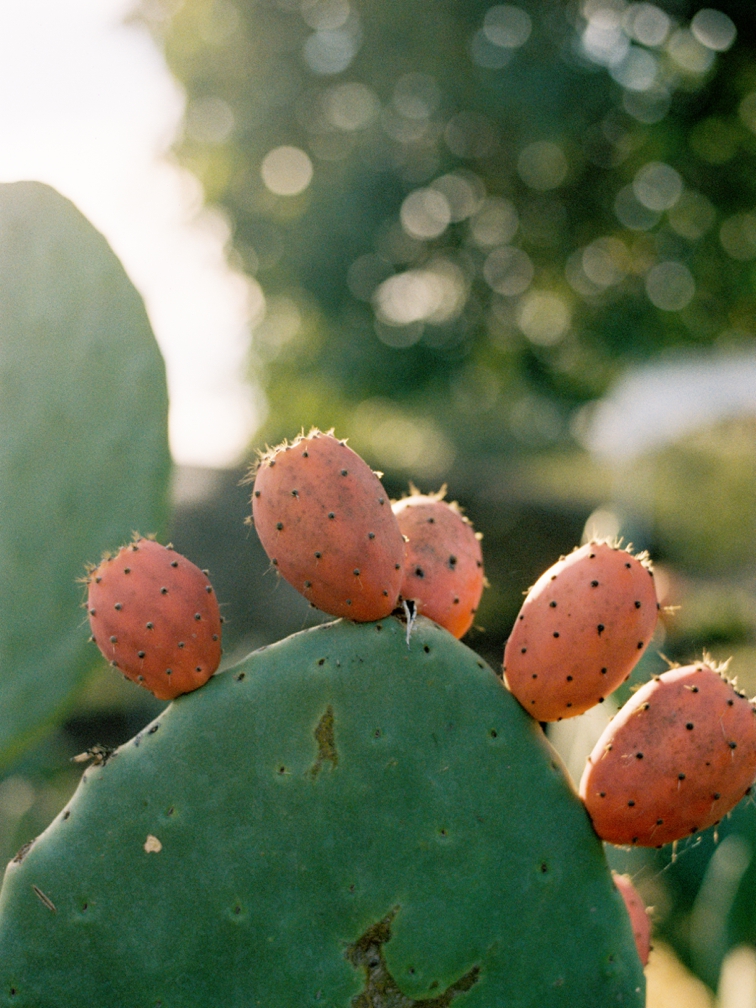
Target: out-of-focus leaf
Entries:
(83, 443)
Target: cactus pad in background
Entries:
(154, 616)
(83, 442)
(326, 523)
(581, 630)
(340, 819)
(443, 568)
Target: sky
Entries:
(87, 105)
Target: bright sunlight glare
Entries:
(88, 106)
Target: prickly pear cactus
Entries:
(341, 819)
(83, 443)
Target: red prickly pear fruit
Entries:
(639, 919)
(326, 523)
(443, 566)
(678, 756)
(582, 628)
(155, 617)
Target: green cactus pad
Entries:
(83, 443)
(342, 820)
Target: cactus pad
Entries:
(339, 820)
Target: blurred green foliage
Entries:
(507, 204)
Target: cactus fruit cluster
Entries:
(363, 815)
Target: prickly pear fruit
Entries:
(582, 628)
(678, 756)
(443, 566)
(639, 919)
(326, 523)
(155, 617)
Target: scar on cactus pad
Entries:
(325, 521)
(443, 567)
(155, 617)
(676, 758)
(581, 630)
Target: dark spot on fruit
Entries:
(523, 650)
(279, 525)
(113, 640)
(689, 726)
(556, 633)
(603, 671)
(681, 776)
(150, 626)
(631, 803)
(169, 671)
(163, 591)
(257, 493)
(716, 796)
(569, 705)
(431, 521)
(91, 612)
(371, 535)
(308, 584)
(569, 678)
(627, 565)
(118, 606)
(591, 557)
(356, 572)
(331, 514)
(419, 572)
(348, 601)
(601, 699)
(552, 604)
(426, 649)
(174, 563)
(493, 733)
(600, 628)
(733, 745)
(602, 794)
(321, 661)
(639, 755)
(198, 668)
(140, 654)
(318, 554)
(452, 561)
(594, 584)
(305, 454)
(385, 592)
(640, 644)
(343, 472)
(380, 500)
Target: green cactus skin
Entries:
(83, 443)
(344, 820)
